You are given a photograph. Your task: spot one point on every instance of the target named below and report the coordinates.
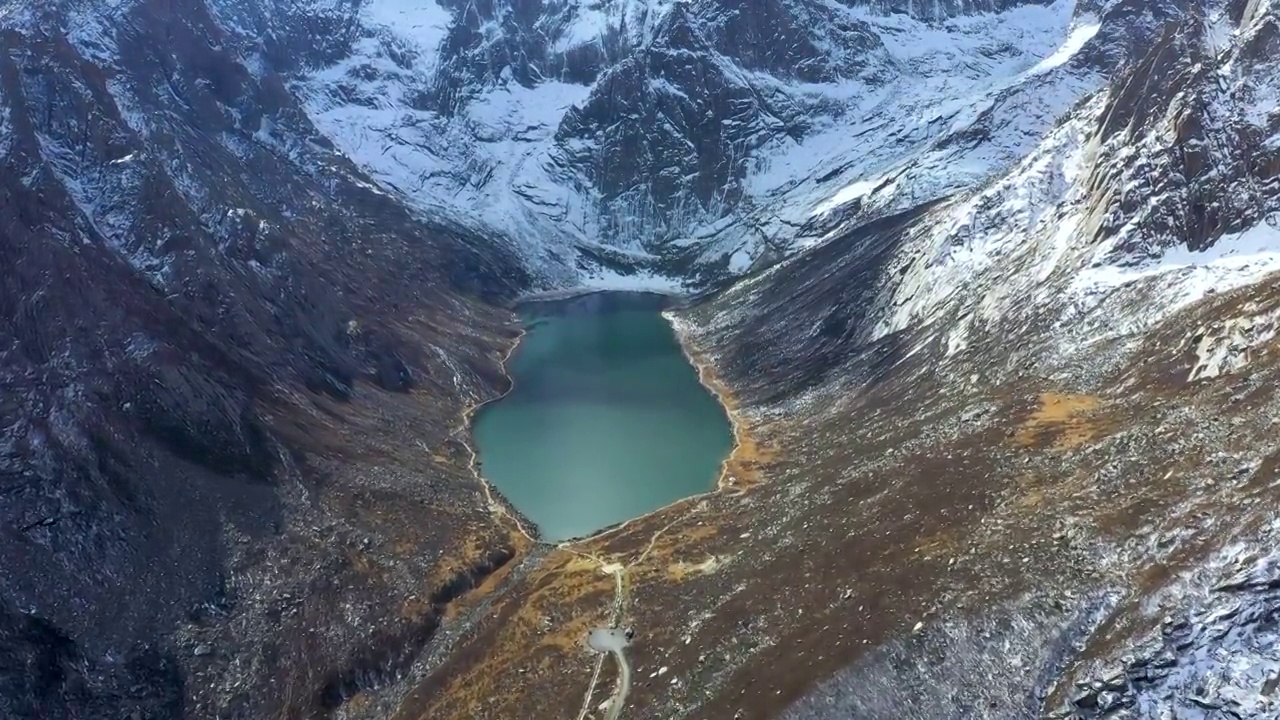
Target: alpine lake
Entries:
(606, 420)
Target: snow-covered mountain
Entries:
(678, 143)
(688, 139)
(252, 255)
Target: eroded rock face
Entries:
(43, 673)
(806, 42)
(999, 664)
(934, 11)
(683, 117)
(688, 138)
(188, 274)
(669, 131)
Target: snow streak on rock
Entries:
(691, 140)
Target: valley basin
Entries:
(607, 419)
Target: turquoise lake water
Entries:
(607, 420)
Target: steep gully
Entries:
(385, 659)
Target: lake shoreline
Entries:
(747, 448)
(497, 500)
(697, 423)
(677, 300)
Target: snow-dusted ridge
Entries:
(1235, 260)
(636, 144)
(888, 133)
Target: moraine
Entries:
(606, 420)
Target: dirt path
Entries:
(614, 641)
(605, 640)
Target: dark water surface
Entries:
(607, 420)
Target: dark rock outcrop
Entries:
(667, 133)
(201, 299)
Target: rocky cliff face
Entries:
(683, 142)
(204, 305)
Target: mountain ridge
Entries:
(989, 284)
(718, 202)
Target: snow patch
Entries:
(1233, 261)
(605, 279)
(739, 262)
(589, 25)
(129, 109)
(422, 23)
(1229, 345)
(968, 75)
(1082, 34)
(853, 191)
(93, 36)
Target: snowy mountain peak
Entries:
(689, 140)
